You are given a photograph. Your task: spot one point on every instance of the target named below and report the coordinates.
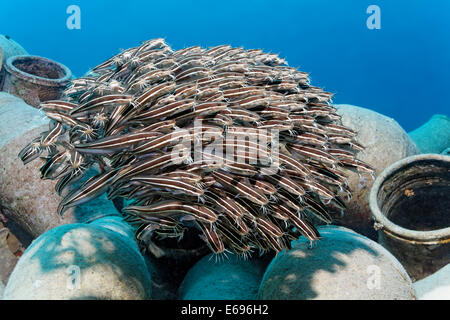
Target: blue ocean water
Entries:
(401, 70)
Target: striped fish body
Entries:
(88, 191)
(116, 143)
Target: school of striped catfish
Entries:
(228, 141)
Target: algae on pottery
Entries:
(231, 278)
(446, 152)
(343, 265)
(8, 48)
(434, 135)
(99, 260)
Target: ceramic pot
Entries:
(8, 48)
(35, 79)
(385, 142)
(434, 135)
(410, 204)
(24, 197)
(98, 260)
(220, 278)
(342, 265)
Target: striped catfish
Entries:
(247, 191)
(169, 183)
(174, 208)
(91, 189)
(149, 164)
(114, 99)
(211, 237)
(116, 143)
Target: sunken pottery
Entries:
(25, 198)
(8, 48)
(343, 265)
(7, 258)
(385, 142)
(98, 260)
(35, 79)
(435, 286)
(411, 206)
(434, 135)
(230, 278)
